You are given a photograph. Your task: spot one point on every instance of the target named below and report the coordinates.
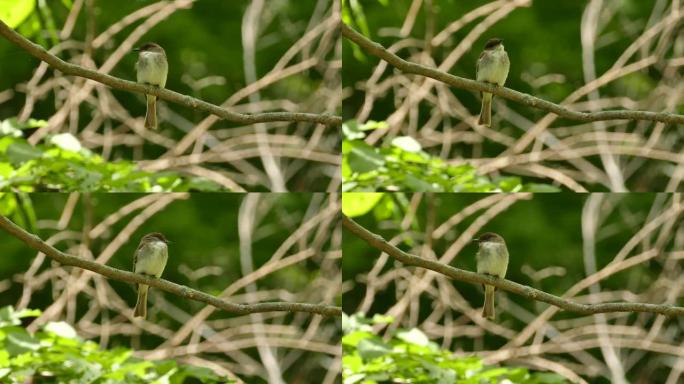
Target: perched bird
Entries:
(152, 68)
(492, 67)
(149, 259)
(492, 259)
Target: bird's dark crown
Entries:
(149, 47)
(493, 43)
(490, 237)
(155, 236)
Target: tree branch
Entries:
(36, 243)
(459, 82)
(165, 94)
(379, 243)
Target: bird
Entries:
(492, 67)
(492, 259)
(152, 68)
(149, 259)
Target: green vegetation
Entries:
(63, 164)
(403, 165)
(57, 353)
(410, 357)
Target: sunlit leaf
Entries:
(358, 204)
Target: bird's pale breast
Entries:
(152, 69)
(492, 259)
(493, 67)
(151, 258)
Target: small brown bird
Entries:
(492, 259)
(492, 67)
(149, 259)
(152, 68)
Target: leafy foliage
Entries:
(56, 354)
(409, 356)
(64, 165)
(405, 166)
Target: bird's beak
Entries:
(136, 50)
(475, 240)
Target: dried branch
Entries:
(165, 94)
(36, 243)
(459, 82)
(376, 241)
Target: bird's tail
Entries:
(151, 115)
(486, 111)
(488, 310)
(141, 304)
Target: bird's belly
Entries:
(152, 69)
(493, 261)
(493, 73)
(152, 263)
(154, 76)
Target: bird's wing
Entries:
(135, 255)
(479, 60)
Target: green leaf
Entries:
(66, 141)
(61, 329)
(20, 151)
(352, 131)
(19, 341)
(414, 336)
(363, 158)
(370, 349)
(385, 208)
(509, 184)
(14, 12)
(358, 204)
(407, 143)
(382, 319)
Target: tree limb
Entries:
(459, 82)
(379, 243)
(165, 94)
(36, 243)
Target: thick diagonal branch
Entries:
(165, 94)
(378, 50)
(36, 243)
(379, 243)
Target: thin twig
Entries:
(36, 243)
(460, 82)
(376, 241)
(165, 94)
